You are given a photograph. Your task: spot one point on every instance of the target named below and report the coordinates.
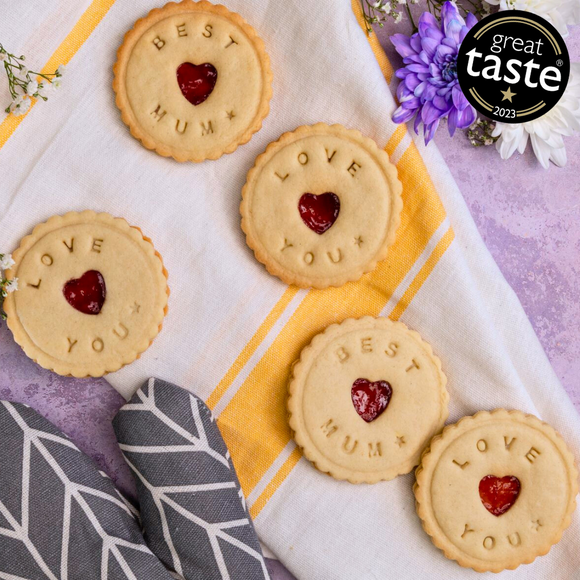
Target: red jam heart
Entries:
(319, 212)
(87, 293)
(498, 494)
(196, 81)
(370, 399)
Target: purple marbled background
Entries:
(527, 216)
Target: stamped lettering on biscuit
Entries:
(206, 129)
(232, 41)
(70, 245)
(180, 126)
(532, 454)
(71, 343)
(303, 158)
(230, 115)
(392, 349)
(208, 31)
(349, 445)
(366, 344)
(97, 245)
(353, 168)
(375, 449)
(342, 354)
(329, 428)
(181, 32)
(462, 465)
(158, 43)
(47, 260)
(158, 114)
(414, 365)
(37, 285)
(466, 530)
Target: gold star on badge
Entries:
(508, 94)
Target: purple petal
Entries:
(466, 117)
(416, 42)
(430, 92)
(420, 88)
(442, 104)
(427, 21)
(452, 121)
(443, 51)
(470, 21)
(412, 82)
(402, 45)
(402, 115)
(418, 68)
(403, 92)
(429, 113)
(430, 46)
(459, 100)
(429, 131)
(417, 123)
(402, 73)
(450, 14)
(412, 103)
(434, 33)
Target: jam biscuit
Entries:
(321, 206)
(496, 490)
(365, 398)
(92, 294)
(193, 81)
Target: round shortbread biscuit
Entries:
(496, 490)
(365, 398)
(92, 294)
(321, 206)
(193, 81)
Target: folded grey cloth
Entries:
(192, 506)
(62, 519)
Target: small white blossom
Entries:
(11, 285)
(2, 56)
(44, 89)
(22, 107)
(6, 261)
(60, 70)
(32, 87)
(402, 1)
(23, 71)
(398, 17)
(56, 83)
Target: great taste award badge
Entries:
(513, 66)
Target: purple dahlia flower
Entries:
(429, 87)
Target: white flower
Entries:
(402, 1)
(11, 285)
(398, 17)
(6, 261)
(32, 87)
(560, 13)
(44, 89)
(546, 133)
(56, 83)
(60, 70)
(2, 56)
(23, 71)
(20, 106)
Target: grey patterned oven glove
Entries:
(62, 519)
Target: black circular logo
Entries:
(513, 66)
